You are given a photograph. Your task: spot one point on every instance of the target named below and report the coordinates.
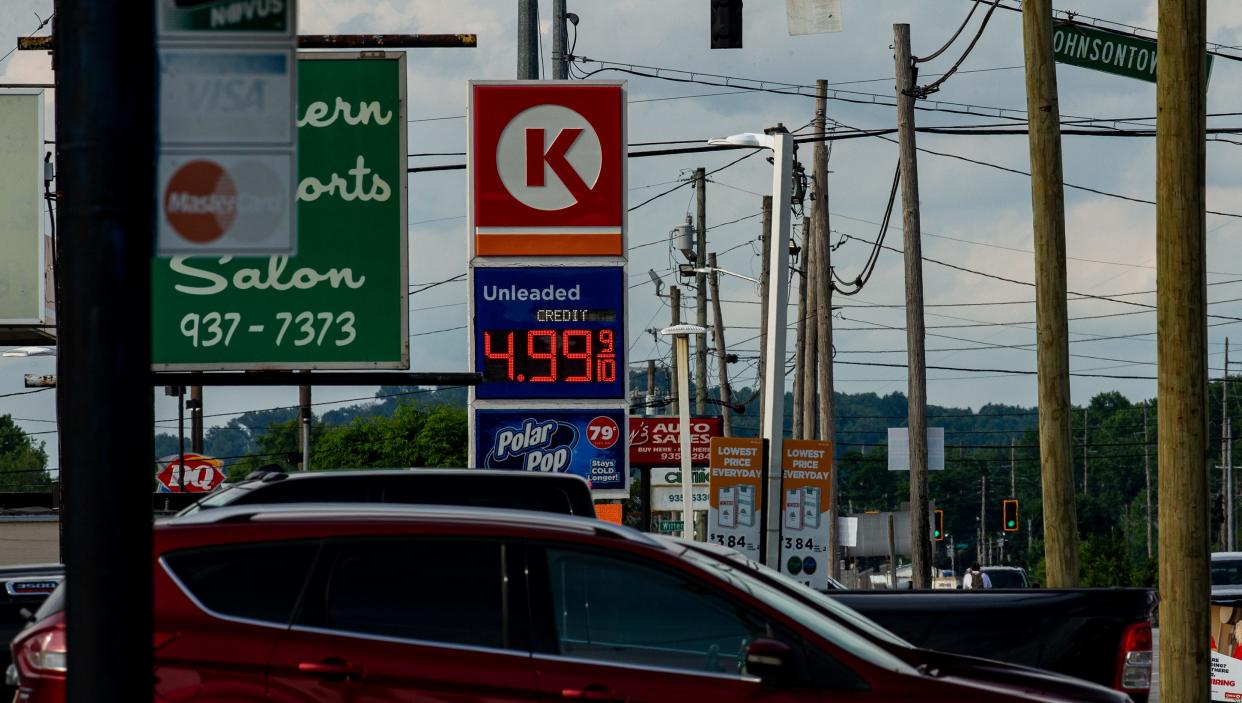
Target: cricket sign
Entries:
(588, 443)
(806, 480)
(735, 513)
(547, 168)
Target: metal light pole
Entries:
(681, 342)
(780, 142)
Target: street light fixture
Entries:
(780, 141)
(681, 341)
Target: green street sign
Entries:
(670, 525)
(961, 545)
(1120, 54)
(216, 16)
(341, 302)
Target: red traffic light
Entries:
(1010, 511)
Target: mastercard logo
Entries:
(200, 201)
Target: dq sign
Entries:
(202, 474)
(547, 169)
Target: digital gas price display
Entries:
(549, 332)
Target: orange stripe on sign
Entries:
(547, 244)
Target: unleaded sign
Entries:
(1120, 54)
(340, 303)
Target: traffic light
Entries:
(1011, 515)
(726, 24)
(938, 525)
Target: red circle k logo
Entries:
(549, 157)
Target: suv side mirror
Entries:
(768, 659)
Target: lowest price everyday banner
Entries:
(806, 481)
(588, 443)
(735, 513)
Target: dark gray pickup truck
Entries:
(1098, 634)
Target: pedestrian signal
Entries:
(1011, 515)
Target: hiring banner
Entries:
(806, 481)
(735, 512)
(1226, 641)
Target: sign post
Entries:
(546, 216)
(330, 306)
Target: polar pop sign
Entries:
(547, 168)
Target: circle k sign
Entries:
(547, 168)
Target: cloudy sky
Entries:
(974, 217)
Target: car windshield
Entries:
(845, 638)
(1227, 572)
(1004, 578)
(224, 496)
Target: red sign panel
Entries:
(547, 168)
(656, 441)
(202, 474)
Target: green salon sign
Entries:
(341, 302)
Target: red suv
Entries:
(369, 603)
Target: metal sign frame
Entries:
(620, 261)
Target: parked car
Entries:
(22, 590)
(376, 602)
(1008, 577)
(546, 492)
(1226, 574)
(1097, 634)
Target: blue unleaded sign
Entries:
(549, 332)
(588, 443)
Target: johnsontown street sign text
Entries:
(1110, 52)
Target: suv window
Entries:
(621, 612)
(253, 581)
(426, 589)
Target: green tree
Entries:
(23, 462)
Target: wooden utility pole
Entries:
(920, 523)
(1226, 457)
(983, 518)
(304, 420)
(1084, 451)
(765, 234)
(1052, 357)
(1147, 476)
(651, 388)
(823, 315)
(700, 299)
(674, 304)
(196, 419)
(810, 343)
(799, 387)
(1013, 471)
(1181, 350)
(722, 361)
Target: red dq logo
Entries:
(547, 169)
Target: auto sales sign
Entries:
(547, 165)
